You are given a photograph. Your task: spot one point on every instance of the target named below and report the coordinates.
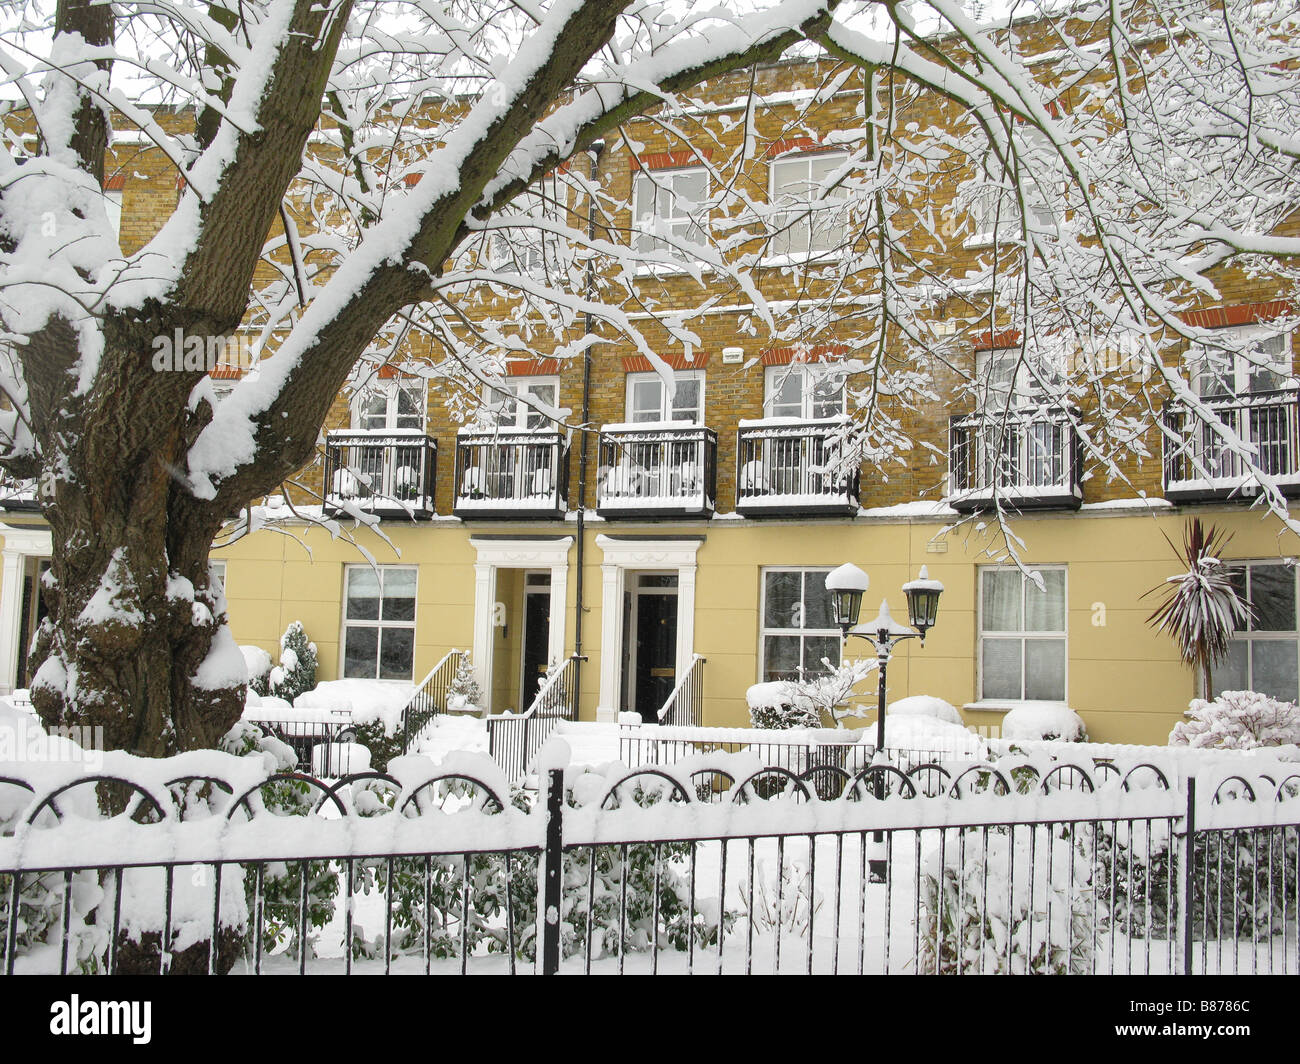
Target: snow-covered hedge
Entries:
(1044, 720)
(258, 663)
(782, 706)
(925, 706)
(1238, 720)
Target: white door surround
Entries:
(20, 544)
(515, 552)
(634, 552)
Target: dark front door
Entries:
(537, 638)
(656, 652)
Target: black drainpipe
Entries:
(594, 152)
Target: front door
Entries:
(656, 652)
(537, 637)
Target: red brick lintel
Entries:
(641, 364)
(784, 356)
(667, 160)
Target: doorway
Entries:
(537, 636)
(650, 642)
(34, 609)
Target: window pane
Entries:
(361, 653)
(785, 394)
(398, 646)
(1273, 668)
(399, 594)
(647, 399)
(780, 657)
(827, 396)
(686, 400)
(363, 594)
(781, 606)
(1231, 675)
(1272, 593)
(410, 414)
(1000, 663)
(1045, 669)
(817, 647)
(1045, 610)
(1238, 577)
(817, 602)
(1002, 600)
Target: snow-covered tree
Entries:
(464, 693)
(360, 180)
(296, 671)
(1200, 608)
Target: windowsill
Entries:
(1006, 705)
(800, 258)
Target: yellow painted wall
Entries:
(1124, 679)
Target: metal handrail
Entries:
(429, 699)
(692, 685)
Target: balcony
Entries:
(503, 475)
(18, 494)
(786, 468)
(660, 470)
(390, 474)
(1027, 459)
(1200, 466)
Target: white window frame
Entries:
(379, 622)
(666, 401)
(1243, 365)
(501, 399)
(807, 373)
(389, 390)
(765, 630)
(798, 233)
(995, 210)
(532, 216)
(652, 228)
(1023, 635)
(217, 573)
(1250, 635)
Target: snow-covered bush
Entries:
(464, 695)
(1238, 720)
(975, 917)
(1044, 720)
(258, 662)
(781, 705)
(296, 672)
(925, 706)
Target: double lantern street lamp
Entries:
(847, 584)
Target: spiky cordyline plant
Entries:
(1201, 607)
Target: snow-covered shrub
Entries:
(296, 672)
(258, 662)
(781, 705)
(787, 906)
(464, 695)
(1238, 720)
(975, 917)
(925, 706)
(1044, 720)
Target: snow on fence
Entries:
(515, 739)
(712, 864)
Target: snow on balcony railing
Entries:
(511, 474)
(1201, 462)
(668, 467)
(1024, 458)
(390, 472)
(785, 465)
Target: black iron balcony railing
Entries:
(511, 474)
(1200, 465)
(1028, 459)
(787, 467)
(387, 473)
(664, 471)
(18, 494)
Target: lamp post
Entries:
(847, 584)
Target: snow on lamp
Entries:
(923, 601)
(847, 584)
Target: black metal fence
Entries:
(514, 740)
(659, 472)
(321, 745)
(793, 467)
(393, 473)
(1199, 464)
(685, 706)
(511, 474)
(429, 700)
(994, 868)
(1026, 458)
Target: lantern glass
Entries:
(922, 607)
(846, 605)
